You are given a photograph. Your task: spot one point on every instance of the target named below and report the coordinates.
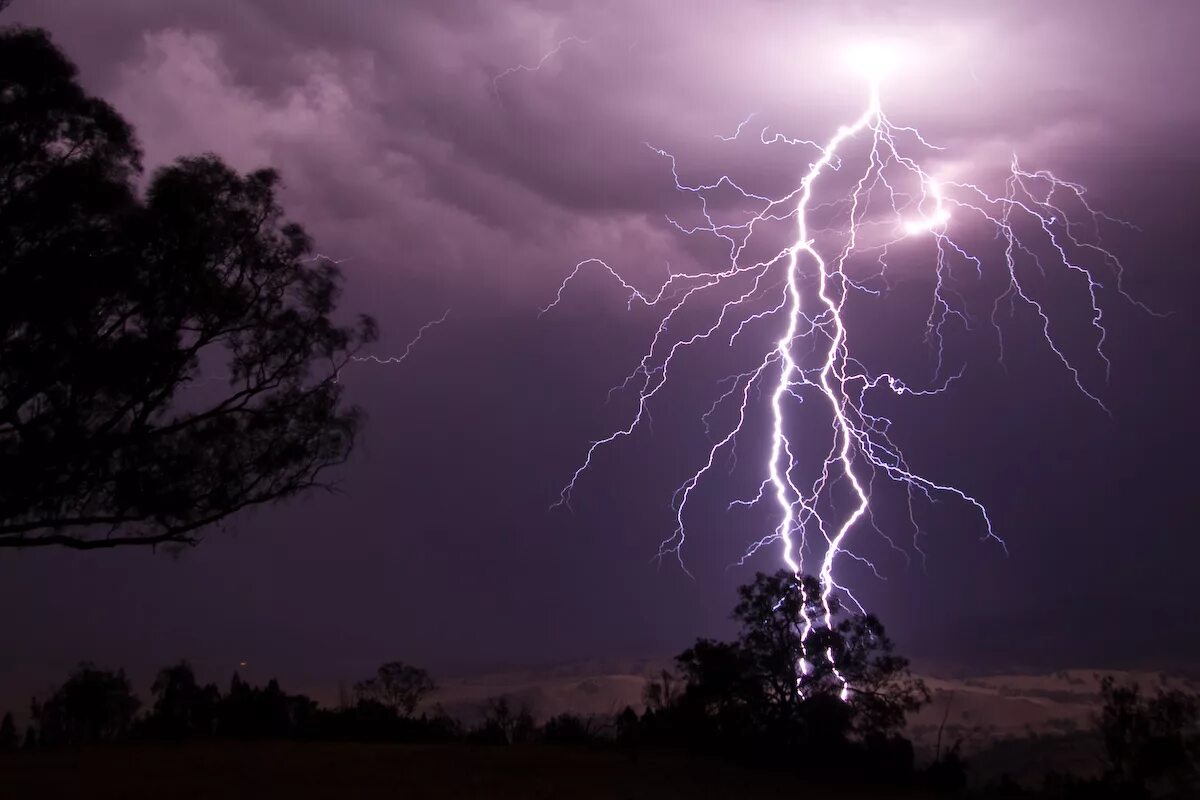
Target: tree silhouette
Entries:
(856, 650)
(269, 712)
(182, 707)
(787, 670)
(777, 693)
(661, 692)
(164, 361)
(569, 729)
(1151, 744)
(94, 705)
(504, 725)
(397, 686)
(8, 733)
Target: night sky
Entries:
(443, 189)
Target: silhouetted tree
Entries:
(114, 308)
(627, 727)
(569, 729)
(660, 692)
(182, 707)
(947, 773)
(94, 705)
(724, 698)
(251, 712)
(1151, 744)
(8, 733)
(503, 725)
(786, 689)
(856, 652)
(398, 686)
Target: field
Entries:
(348, 770)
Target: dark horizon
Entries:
(441, 189)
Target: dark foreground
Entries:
(259, 770)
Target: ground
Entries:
(234, 770)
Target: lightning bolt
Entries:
(541, 62)
(385, 360)
(407, 348)
(802, 290)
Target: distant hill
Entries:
(980, 709)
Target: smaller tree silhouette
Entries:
(569, 729)
(8, 734)
(504, 725)
(263, 712)
(398, 686)
(182, 707)
(627, 727)
(1150, 744)
(94, 705)
(661, 692)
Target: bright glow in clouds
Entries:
(936, 220)
(875, 61)
(887, 202)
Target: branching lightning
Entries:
(382, 360)
(541, 62)
(407, 348)
(801, 294)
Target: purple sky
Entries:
(444, 187)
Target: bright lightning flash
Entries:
(875, 61)
(802, 292)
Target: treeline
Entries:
(836, 695)
(828, 701)
(95, 705)
(98, 706)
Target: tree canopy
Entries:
(397, 686)
(775, 693)
(94, 705)
(1151, 744)
(167, 357)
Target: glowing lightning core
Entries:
(1034, 203)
